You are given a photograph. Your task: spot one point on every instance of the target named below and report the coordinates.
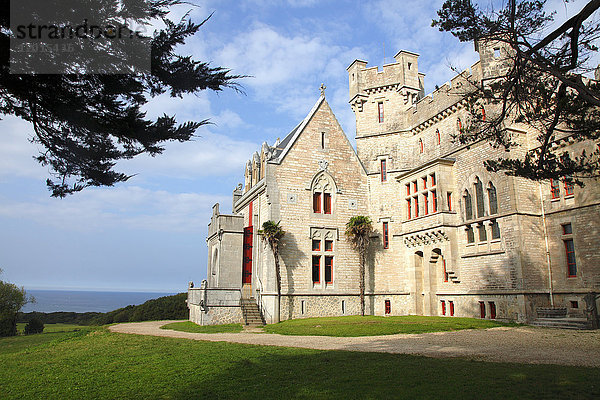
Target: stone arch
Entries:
(324, 182)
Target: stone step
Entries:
(563, 323)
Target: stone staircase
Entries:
(251, 312)
(558, 318)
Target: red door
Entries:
(247, 256)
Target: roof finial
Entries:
(322, 88)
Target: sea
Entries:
(85, 301)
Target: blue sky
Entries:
(148, 234)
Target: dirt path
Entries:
(518, 344)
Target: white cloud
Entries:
(209, 154)
(16, 150)
(126, 207)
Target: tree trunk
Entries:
(278, 276)
(362, 283)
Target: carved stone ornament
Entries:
(323, 165)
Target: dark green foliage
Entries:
(34, 326)
(60, 317)
(167, 307)
(541, 85)
(85, 124)
(12, 298)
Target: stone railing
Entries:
(214, 297)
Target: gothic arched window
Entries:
(492, 199)
(468, 206)
(479, 198)
(322, 191)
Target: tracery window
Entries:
(322, 189)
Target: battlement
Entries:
(404, 72)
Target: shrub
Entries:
(34, 326)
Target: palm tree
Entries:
(272, 234)
(358, 230)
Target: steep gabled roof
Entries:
(287, 143)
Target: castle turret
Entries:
(380, 98)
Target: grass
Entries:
(373, 326)
(51, 328)
(188, 326)
(94, 364)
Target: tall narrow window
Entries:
(493, 199)
(468, 206)
(470, 234)
(432, 176)
(408, 189)
(449, 200)
(554, 189)
(479, 198)
(482, 232)
(322, 140)
(421, 146)
(424, 183)
(327, 203)
(438, 136)
(571, 262)
(434, 204)
(386, 240)
(459, 125)
(316, 269)
(482, 113)
(443, 307)
(408, 209)
(329, 245)
(495, 230)
(388, 307)
(317, 202)
(328, 269)
(568, 188)
(482, 309)
(380, 111)
(383, 170)
(415, 187)
(416, 206)
(425, 203)
(451, 306)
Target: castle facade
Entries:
(450, 238)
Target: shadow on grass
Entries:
(352, 375)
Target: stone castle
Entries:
(450, 237)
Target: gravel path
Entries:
(504, 344)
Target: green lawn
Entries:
(188, 326)
(373, 326)
(103, 365)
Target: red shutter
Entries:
(317, 202)
(327, 203)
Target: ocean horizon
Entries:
(85, 301)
